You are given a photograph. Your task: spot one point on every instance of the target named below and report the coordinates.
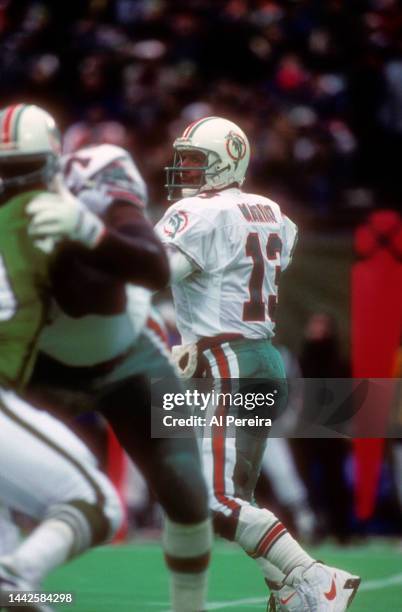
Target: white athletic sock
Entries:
(262, 535)
(47, 547)
(271, 573)
(287, 554)
(188, 591)
(187, 549)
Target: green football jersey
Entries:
(24, 291)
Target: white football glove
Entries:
(61, 215)
(46, 245)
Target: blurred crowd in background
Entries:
(317, 86)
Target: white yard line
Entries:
(239, 602)
(381, 583)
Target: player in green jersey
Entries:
(24, 285)
(45, 471)
(29, 151)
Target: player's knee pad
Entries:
(91, 523)
(180, 486)
(257, 528)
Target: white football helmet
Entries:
(226, 152)
(30, 146)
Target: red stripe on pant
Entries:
(218, 434)
(116, 469)
(159, 331)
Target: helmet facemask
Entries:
(179, 180)
(31, 170)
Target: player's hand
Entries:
(62, 215)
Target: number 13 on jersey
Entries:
(263, 263)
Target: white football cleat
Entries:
(319, 588)
(285, 598)
(11, 583)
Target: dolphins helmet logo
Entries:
(236, 147)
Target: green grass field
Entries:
(132, 578)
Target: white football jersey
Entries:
(99, 175)
(239, 243)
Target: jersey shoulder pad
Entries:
(205, 208)
(85, 163)
(105, 172)
(180, 221)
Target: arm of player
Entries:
(61, 215)
(289, 235)
(180, 265)
(129, 249)
(123, 245)
(188, 238)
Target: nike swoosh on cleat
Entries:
(332, 592)
(285, 601)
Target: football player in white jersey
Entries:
(227, 249)
(103, 350)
